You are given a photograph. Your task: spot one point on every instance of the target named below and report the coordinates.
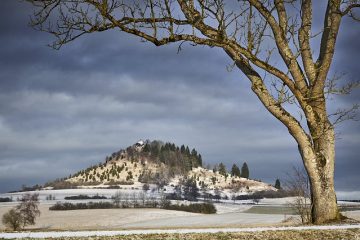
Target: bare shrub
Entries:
(117, 198)
(298, 185)
(146, 187)
(29, 208)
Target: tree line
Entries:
(234, 172)
(172, 155)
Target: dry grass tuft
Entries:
(348, 234)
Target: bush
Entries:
(174, 196)
(206, 208)
(5, 199)
(112, 182)
(77, 206)
(272, 194)
(113, 187)
(30, 188)
(62, 185)
(100, 205)
(83, 197)
(146, 187)
(264, 194)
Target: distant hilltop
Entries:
(159, 164)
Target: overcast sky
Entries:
(61, 111)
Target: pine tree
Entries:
(222, 169)
(193, 152)
(187, 151)
(188, 164)
(191, 191)
(235, 171)
(193, 157)
(245, 171)
(200, 160)
(277, 184)
(215, 169)
(146, 148)
(182, 149)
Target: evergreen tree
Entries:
(235, 171)
(187, 151)
(193, 152)
(182, 149)
(215, 169)
(222, 169)
(146, 148)
(155, 148)
(188, 164)
(200, 160)
(277, 184)
(191, 191)
(245, 171)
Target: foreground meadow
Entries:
(266, 235)
(334, 234)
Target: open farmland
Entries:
(269, 212)
(107, 219)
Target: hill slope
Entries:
(164, 165)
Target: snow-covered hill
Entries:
(165, 166)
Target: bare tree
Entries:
(29, 208)
(13, 219)
(143, 198)
(298, 185)
(117, 198)
(23, 214)
(256, 199)
(269, 41)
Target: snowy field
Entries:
(229, 214)
(131, 189)
(106, 219)
(61, 194)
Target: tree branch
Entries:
(283, 47)
(281, 11)
(304, 40)
(260, 89)
(327, 47)
(349, 8)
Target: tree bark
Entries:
(319, 162)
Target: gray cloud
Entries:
(61, 111)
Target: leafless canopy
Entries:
(248, 30)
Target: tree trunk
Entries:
(319, 163)
(324, 206)
(317, 148)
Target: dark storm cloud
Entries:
(61, 111)
(111, 51)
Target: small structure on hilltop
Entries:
(139, 145)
